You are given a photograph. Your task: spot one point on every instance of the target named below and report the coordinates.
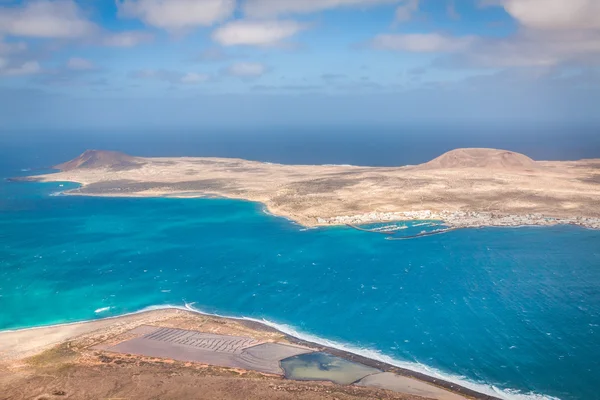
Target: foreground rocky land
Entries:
(70, 362)
(464, 188)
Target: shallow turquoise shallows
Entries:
(501, 310)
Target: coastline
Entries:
(454, 220)
(371, 358)
(463, 219)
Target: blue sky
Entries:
(68, 63)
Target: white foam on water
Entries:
(101, 310)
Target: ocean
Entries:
(509, 312)
(356, 145)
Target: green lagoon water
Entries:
(511, 312)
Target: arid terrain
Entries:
(465, 187)
(64, 362)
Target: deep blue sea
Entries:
(512, 312)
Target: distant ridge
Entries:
(454, 159)
(481, 158)
(101, 159)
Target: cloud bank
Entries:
(177, 15)
(256, 33)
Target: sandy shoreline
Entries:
(452, 219)
(16, 346)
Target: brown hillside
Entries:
(101, 159)
(481, 158)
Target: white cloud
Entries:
(173, 77)
(527, 48)
(14, 59)
(256, 33)
(422, 42)
(550, 33)
(12, 48)
(554, 14)
(26, 68)
(405, 11)
(191, 78)
(60, 19)
(45, 19)
(532, 48)
(271, 8)
(246, 70)
(177, 15)
(126, 39)
(79, 64)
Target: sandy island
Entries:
(82, 361)
(464, 188)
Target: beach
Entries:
(72, 354)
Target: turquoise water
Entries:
(514, 309)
